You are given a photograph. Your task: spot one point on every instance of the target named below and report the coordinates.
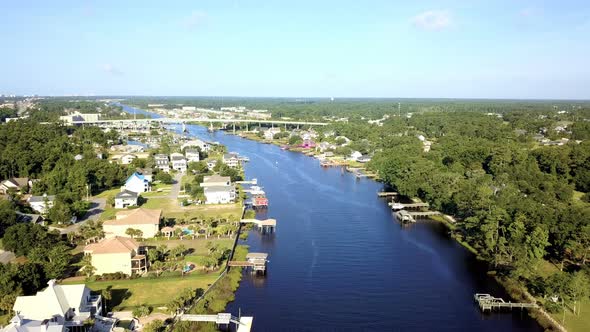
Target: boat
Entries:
(397, 206)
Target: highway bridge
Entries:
(202, 120)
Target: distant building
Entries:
(162, 162)
(126, 198)
(192, 155)
(15, 183)
(271, 132)
(355, 155)
(77, 116)
(146, 172)
(215, 181)
(189, 108)
(42, 204)
(231, 160)
(178, 162)
(128, 159)
(137, 183)
(211, 163)
(218, 189)
(204, 146)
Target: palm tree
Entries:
(107, 295)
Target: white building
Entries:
(218, 189)
(127, 159)
(204, 146)
(68, 305)
(178, 162)
(192, 155)
(137, 183)
(126, 198)
(145, 220)
(162, 162)
(189, 108)
(355, 155)
(211, 163)
(231, 160)
(271, 132)
(42, 204)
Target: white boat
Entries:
(397, 206)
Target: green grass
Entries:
(172, 209)
(575, 323)
(109, 213)
(156, 292)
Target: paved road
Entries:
(174, 190)
(96, 209)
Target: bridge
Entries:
(488, 302)
(244, 323)
(185, 120)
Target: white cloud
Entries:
(433, 20)
(110, 69)
(195, 19)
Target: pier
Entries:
(387, 193)
(253, 181)
(264, 226)
(256, 261)
(488, 302)
(400, 206)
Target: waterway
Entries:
(339, 260)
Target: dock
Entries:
(400, 206)
(387, 193)
(256, 261)
(253, 181)
(423, 213)
(267, 226)
(404, 216)
(488, 302)
(244, 324)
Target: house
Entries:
(126, 198)
(192, 155)
(16, 184)
(116, 254)
(127, 159)
(145, 220)
(204, 146)
(146, 172)
(137, 183)
(323, 146)
(231, 160)
(68, 305)
(355, 155)
(41, 204)
(162, 162)
(271, 132)
(20, 324)
(307, 144)
(30, 218)
(220, 194)
(215, 181)
(178, 162)
(211, 163)
(345, 140)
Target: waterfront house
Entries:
(307, 144)
(41, 204)
(137, 183)
(55, 307)
(21, 185)
(220, 194)
(117, 254)
(178, 162)
(192, 155)
(126, 198)
(146, 172)
(145, 220)
(216, 180)
(231, 160)
(127, 159)
(204, 146)
(364, 159)
(162, 162)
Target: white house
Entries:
(162, 162)
(271, 132)
(145, 220)
(178, 162)
(137, 183)
(126, 198)
(355, 155)
(192, 155)
(231, 160)
(146, 172)
(127, 159)
(220, 194)
(216, 181)
(42, 204)
(211, 163)
(69, 305)
(204, 146)
(16, 184)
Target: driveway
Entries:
(174, 190)
(97, 206)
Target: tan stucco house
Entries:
(117, 254)
(145, 220)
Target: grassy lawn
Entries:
(575, 323)
(172, 209)
(109, 213)
(158, 189)
(107, 193)
(156, 292)
(198, 245)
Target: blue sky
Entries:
(453, 49)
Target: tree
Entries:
(133, 233)
(164, 178)
(54, 260)
(107, 295)
(295, 139)
(60, 213)
(87, 268)
(7, 216)
(578, 289)
(22, 238)
(155, 326)
(141, 311)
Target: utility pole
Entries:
(399, 109)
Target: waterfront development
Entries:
(340, 261)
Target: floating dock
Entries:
(488, 302)
(244, 323)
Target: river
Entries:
(339, 260)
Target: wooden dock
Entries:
(488, 302)
(387, 193)
(424, 213)
(244, 323)
(409, 205)
(264, 226)
(254, 260)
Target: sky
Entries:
(515, 49)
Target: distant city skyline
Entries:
(342, 49)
